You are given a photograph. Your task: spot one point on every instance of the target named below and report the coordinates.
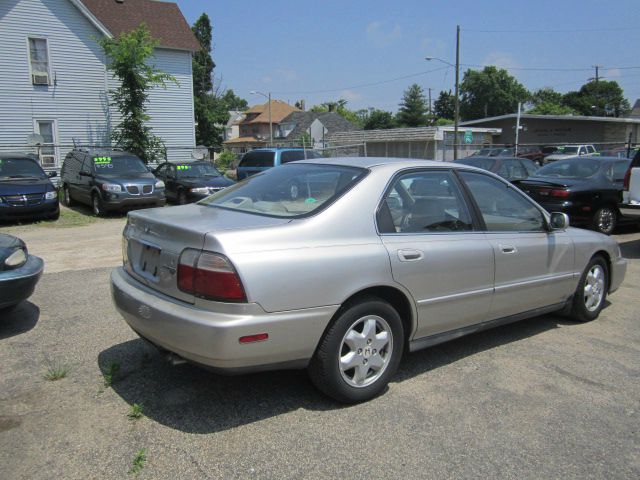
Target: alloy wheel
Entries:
(365, 351)
(605, 220)
(594, 288)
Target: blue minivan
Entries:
(262, 159)
(25, 189)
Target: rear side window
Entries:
(293, 155)
(257, 159)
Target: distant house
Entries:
(317, 125)
(54, 81)
(254, 128)
(232, 128)
(635, 111)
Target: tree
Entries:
(546, 95)
(379, 119)
(202, 63)
(548, 108)
(490, 92)
(128, 58)
(233, 102)
(413, 108)
(445, 106)
(600, 98)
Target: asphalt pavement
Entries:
(543, 398)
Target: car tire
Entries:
(55, 216)
(367, 334)
(605, 220)
(97, 206)
(182, 198)
(66, 194)
(591, 292)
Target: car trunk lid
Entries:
(155, 238)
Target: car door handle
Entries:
(409, 255)
(508, 249)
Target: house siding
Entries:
(77, 100)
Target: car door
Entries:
(534, 267)
(86, 175)
(71, 176)
(161, 174)
(436, 251)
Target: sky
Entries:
(369, 52)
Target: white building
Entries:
(53, 78)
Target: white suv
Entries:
(630, 205)
(570, 151)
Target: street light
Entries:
(268, 97)
(457, 99)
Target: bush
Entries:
(225, 160)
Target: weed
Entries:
(135, 412)
(109, 377)
(138, 462)
(56, 371)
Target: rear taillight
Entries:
(209, 275)
(559, 193)
(627, 178)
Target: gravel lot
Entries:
(543, 398)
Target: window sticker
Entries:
(310, 200)
(183, 167)
(102, 162)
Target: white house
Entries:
(53, 79)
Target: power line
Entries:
(362, 85)
(565, 30)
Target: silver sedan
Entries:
(372, 258)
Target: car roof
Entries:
(370, 162)
(26, 156)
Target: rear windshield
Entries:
(119, 164)
(573, 168)
(198, 170)
(20, 168)
(484, 163)
(290, 191)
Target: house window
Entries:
(46, 128)
(39, 61)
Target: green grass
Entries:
(109, 376)
(138, 462)
(70, 218)
(135, 412)
(56, 372)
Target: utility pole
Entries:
(518, 128)
(457, 112)
(430, 111)
(597, 77)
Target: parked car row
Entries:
(540, 155)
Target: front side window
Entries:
(293, 155)
(257, 159)
(39, 61)
(290, 191)
(503, 209)
(424, 202)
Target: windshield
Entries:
(484, 163)
(507, 152)
(568, 150)
(289, 191)
(190, 170)
(20, 168)
(119, 165)
(573, 168)
(485, 151)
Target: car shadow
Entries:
(194, 400)
(630, 249)
(19, 319)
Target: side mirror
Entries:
(52, 174)
(559, 221)
(84, 173)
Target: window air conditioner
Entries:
(40, 79)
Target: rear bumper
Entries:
(212, 338)
(18, 284)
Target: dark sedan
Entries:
(510, 169)
(19, 271)
(190, 182)
(588, 189)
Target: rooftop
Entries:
(279, 111)
(164, 20)
(566, 118)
